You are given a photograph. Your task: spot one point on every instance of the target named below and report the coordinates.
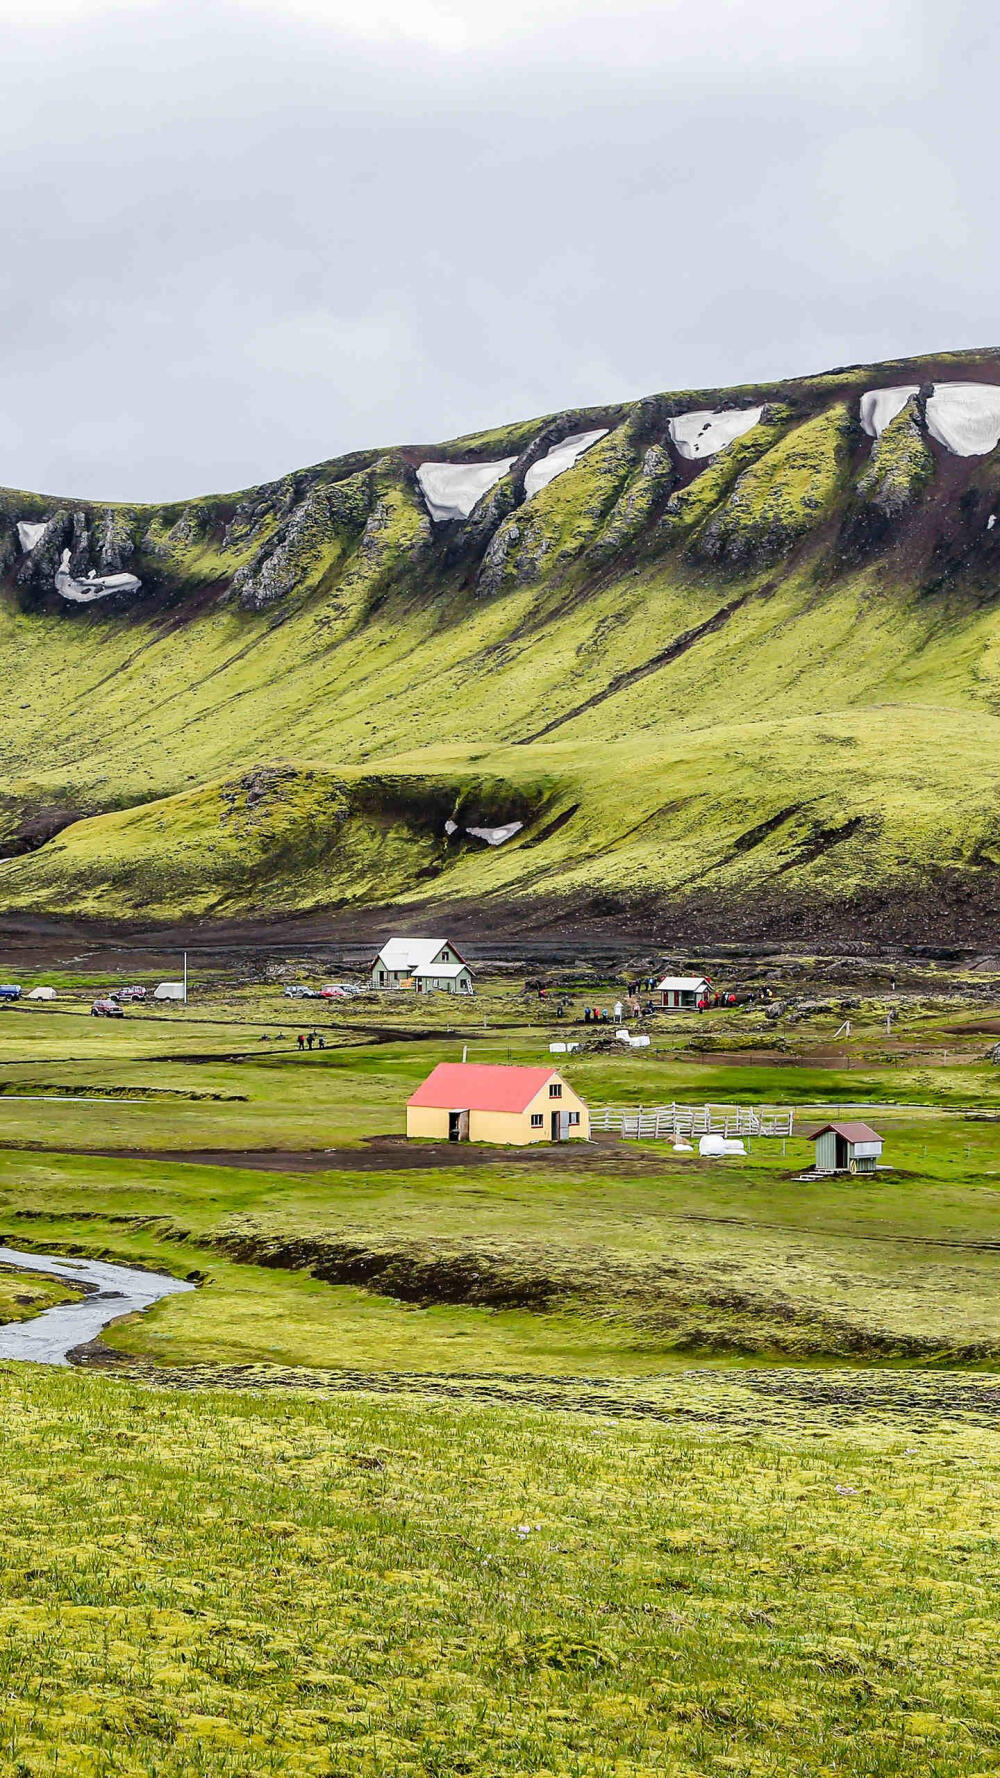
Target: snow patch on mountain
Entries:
(560, 457)
(879, 407)
(451, 490)
(965, 417)
(96, 586)
(705, 431)
(29, 533)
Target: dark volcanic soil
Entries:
(953, 918)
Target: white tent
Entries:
(169, 991)
(42, 994)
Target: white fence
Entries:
(693, 1120)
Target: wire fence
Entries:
(644, 1121)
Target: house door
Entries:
(458, 1126)
(555, 1126)
(841, 1153)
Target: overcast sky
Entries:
(243, 235)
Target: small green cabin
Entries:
(847, 1148)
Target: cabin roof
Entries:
(850, 1132)
(481, 1086)
(413, 953)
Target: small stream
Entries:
(112, 1291)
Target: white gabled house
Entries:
(687, 991)
(421, 965)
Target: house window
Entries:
(445, 957)
(537, 1120)
(555, 1090)
(574, 1117)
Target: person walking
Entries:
(301, 1041)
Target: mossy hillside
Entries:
(375, 652)
(899, 470)
(290, 685)
(276, 837)
(787, 494)
(693, 504)
(556, 525)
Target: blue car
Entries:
(9, 991)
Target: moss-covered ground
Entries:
(240, 1584)
(579, 1464)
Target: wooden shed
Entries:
(847, 1148)
(491, 1102)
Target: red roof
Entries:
(480, 1086)
(851, 1132)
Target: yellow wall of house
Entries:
(426, 1120)
(511, 1128)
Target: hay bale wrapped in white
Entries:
(557, 1049)
(451, 490)
(713, 1147)
(705, 431)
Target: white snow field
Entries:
(880, 406)
(452, 489)
(707, 430)
(965, 417)
(96, 586)
(495, 836)
(28, 534)
(560, 457)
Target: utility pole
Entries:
(185, 978)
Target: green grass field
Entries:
(618, 1463)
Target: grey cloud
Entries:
(235, 243)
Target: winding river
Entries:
(112, 1291)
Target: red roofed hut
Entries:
(847, 1148)
(490, 1102)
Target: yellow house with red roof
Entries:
(492, 1102)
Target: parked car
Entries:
(340, 991)
(9, 991)
(106, 1008)
(299, 993)
(127, 994)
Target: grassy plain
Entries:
(603, 1465)
(236, 1584)
(614, 1262)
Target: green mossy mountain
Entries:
(755, 693)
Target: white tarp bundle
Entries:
(560, 457)
(707, 430)
(451, 490)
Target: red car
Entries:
(105, 1008)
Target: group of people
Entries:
(306, 1039)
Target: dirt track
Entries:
(383, 1154)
